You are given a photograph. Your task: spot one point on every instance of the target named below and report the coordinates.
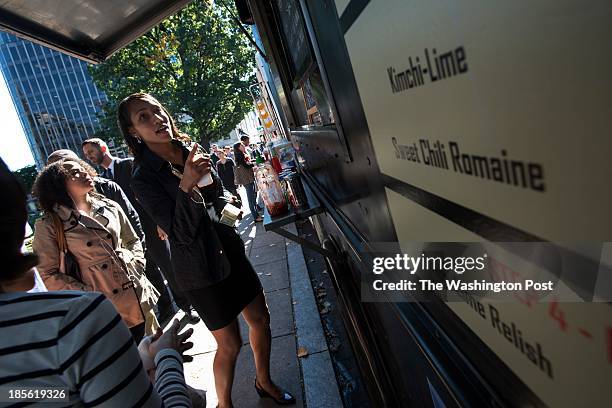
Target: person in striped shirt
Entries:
(76, 340)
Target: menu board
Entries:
(295, 38)
(500, 110)
(504, 111)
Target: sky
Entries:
(14, 148)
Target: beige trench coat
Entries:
(109, 255)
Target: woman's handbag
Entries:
(68, 264)
(243, 175)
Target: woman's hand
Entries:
(196, 166)
(148, 359)
(161, 233)
(171, 339)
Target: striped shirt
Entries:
(76, 340)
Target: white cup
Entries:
(205, 180)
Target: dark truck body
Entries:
(365, 91)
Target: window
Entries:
(309, 101)
(48, 100)
(306, 97)
(318, 109)
(23, 54)
(64, 80)
(92, 88)
(295, 38)
(47, 80)
(74, 109)
(63, 97)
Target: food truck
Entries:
(436, 122)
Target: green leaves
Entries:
(196, 62)
(27, 176)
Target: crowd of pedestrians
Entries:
(103, 248)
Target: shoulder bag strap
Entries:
(59, 231)
(196, 195)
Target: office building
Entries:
(54, 95)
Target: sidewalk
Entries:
(295, 324)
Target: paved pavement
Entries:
(295, 325)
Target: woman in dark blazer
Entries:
(209, 259)
(225, 170)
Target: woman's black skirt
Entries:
(218, 305)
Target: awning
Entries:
(91, 30)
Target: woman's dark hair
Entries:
(239, 157)
(124, 122)
(50, 185)
(237, 150)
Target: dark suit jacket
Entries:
(122, 175)
(113, 191)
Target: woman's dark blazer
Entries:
(200, 246)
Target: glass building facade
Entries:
(54, 95)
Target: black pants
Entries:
(138, 332)
(158, 259)
(164, 303)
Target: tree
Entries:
(27, 176)
(196, 62)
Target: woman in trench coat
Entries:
(98, 234)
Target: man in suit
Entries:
(214, 154)
(157, 251)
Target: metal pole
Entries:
(244, 31)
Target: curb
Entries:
(316, 366)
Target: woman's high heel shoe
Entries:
(285, 399)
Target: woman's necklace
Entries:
(175, 156)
